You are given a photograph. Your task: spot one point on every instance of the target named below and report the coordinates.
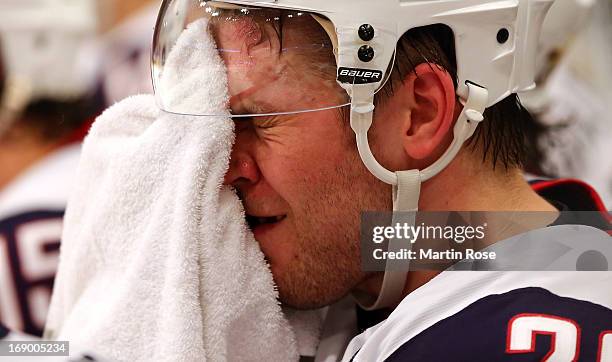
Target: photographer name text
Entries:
(430, 254)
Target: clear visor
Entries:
(214, 58)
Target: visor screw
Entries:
(366, 53)
(366, 32)
(502, 35)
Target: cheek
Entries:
(386, 141)
(304, 159)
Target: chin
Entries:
(306, 294)
(302, 303)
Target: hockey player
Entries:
(347, 106)
(48, 99)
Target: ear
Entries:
(431, 94)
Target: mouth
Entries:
(257, 222)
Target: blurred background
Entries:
(62, 62)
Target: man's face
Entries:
(300, 177)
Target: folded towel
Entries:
(156, 261)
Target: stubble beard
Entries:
(327, 264)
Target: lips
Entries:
(256, 222)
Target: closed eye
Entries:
(266, 122)
(243, 123)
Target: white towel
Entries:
(156, 262)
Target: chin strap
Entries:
(407, 184)
(405, 204)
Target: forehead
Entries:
(249, 26)
(277, 60)
(262, 60)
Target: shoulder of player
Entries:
(45, 185)
(455, 301)
(483, 329)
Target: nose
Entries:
(242, 170)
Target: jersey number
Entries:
(28, 262)
(564, 334)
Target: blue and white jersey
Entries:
(468, 315)
(496, 316)
(31, 211)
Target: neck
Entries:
(469, 185)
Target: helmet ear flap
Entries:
(329, 28)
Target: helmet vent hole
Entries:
(366, 32)
(366, 53)
(503, 35)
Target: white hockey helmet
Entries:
(495, 42)
(40, 44)
(565, 21)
